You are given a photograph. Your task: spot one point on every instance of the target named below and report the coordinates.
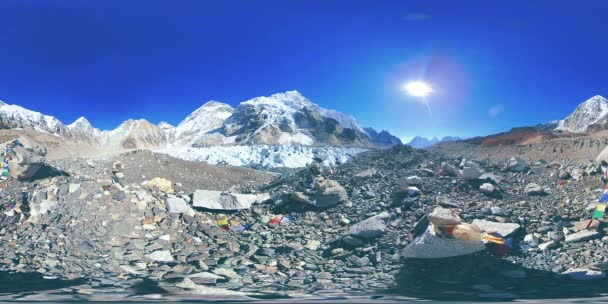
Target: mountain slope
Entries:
(14, 116)
(286, 118)
(136, 134)
(207, 118)
(81, 129)
(290, 119)
(592, 111)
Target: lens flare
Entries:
(418, 88)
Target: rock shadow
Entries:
(32, 282)
(47, 171)
(482, 276)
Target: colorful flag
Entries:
(599, 211)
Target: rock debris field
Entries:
(196, 228)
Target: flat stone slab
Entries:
(581, 236)
(219, 200)
(502, 229)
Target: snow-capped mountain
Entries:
(291, 119)
(286, 118)
(283, 129)
(165, 125)
(81, 129)
(14, 116)
(591, 112)
(134, 134)
(420, 142)
(209, 117)
(382, 138)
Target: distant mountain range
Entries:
(420, 142)
(281, 119)
(589, 117)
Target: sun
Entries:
(418, 88)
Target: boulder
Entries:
(471, 171)
(502, 229)
(581, 236)
(179, 205)
(487, 188)
(564, 174)
(42, 208)
(367, 173)
(414, 180)
(450, 170)
(331, 194)
(533, 189)
(515, 165)
(325, 194)
(161, 256)
(27, 156)
(531, 239)
(443, 216)
(548, 245)
(161, 184)
(371, 227)
(218, 200)
(584, 274)
(496, 179)
(430, 246)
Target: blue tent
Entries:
(604, 198)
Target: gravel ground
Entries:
(343, 236)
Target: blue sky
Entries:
(493, 64)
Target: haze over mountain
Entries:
(421, 142)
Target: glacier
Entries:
(264, 156)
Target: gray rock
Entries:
(42, 208)
(371, 227)
(72, 188)
(161, 256)
(450, 170)
(218, 200)
(179, 205)
(584, 274)
(487, 188)
(581, 236)
(205, 278)
(430, 246)
(548, 245)
(502, 229)
(490, 177)
(471, 171)
(515, 165)
(27, 159)
(533, 189)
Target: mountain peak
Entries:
(592, 111)
(81, 122)
(165, 125)
(286, 100)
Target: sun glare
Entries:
(418, 88)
